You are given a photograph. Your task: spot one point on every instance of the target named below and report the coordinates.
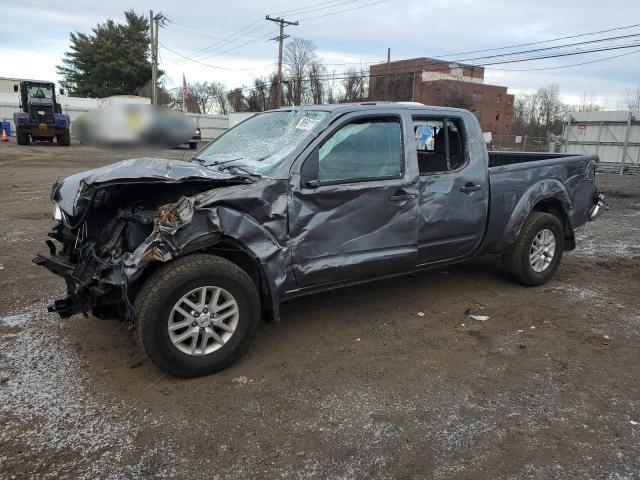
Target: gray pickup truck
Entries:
(295, 201)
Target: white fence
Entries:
(211, 126)
(613, 136)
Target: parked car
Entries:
(300, 200)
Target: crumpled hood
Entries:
(136, 170)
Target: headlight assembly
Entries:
(57, 213)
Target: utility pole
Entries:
(282, 23)
(386, 97)
(154, 23)
(154, 57)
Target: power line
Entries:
(565, 66)
(343, 11)
(309, 6)
(206, 64)
(233, 37)
(587, 42)
(198, 33)
(541, 41)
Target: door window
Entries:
(440, 144)
(362, 150)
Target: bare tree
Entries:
(203, 94)
(631, 97)
(260, 97)
(540, 113)
(219, 98)
(552, 109)
(165, 98)
(298, 57)
(317, 74)
(588, 103)
(237, 102)
(354, 84)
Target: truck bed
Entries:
(518, 180)
(498, 159)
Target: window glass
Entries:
(363, 149)
(262, 142)
(39, 91)
(437, 151)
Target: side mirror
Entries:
(61, 91)
(15, 88)
(309, 174)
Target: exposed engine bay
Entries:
(111, 233)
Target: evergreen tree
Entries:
(113, 60)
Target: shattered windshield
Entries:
(260, 143)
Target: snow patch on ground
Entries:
(48, 411)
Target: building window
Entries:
(476, 96)
(508, 116)
(499, 98)
(497, 116)
(508, 101)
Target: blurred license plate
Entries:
(42, 126)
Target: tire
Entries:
(64, 140)
(169, 285)
(22, 138)
(193, 145)
(518, 261)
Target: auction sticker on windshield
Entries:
(306, 123)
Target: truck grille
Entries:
(41, 114)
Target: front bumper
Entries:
(36, 130)
(86, 289)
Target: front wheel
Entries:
(196, 315)
(22, 138)
(193, 145)
(535, 256)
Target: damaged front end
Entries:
(112, 225)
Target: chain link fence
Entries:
(522, 143)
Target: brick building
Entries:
(435, 82)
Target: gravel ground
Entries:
(350, 384)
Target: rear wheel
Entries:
(196, 315)
(22, 138)
(535, 256)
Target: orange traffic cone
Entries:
(4, 136)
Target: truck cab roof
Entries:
(372, 105)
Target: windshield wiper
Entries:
(237, 168)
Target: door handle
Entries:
(401, 196)
(470, 188)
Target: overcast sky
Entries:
(35, 35)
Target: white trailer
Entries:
(613, 135)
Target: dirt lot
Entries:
(351, 384)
